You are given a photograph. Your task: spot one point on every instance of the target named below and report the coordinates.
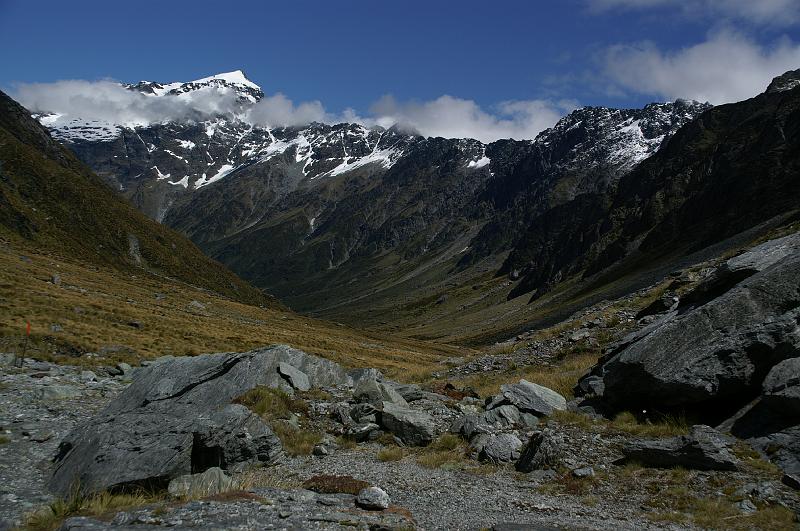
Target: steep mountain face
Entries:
(586, 152)
(53, 202)
(731, 169)
(322, 215)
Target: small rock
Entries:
(55, 327)
(135, 324)
(55, 279)
(362, 432)
(88, 376)
(746, 506)
(377, 393)
(580, 335)
(42, 436)
(583, 472)
(373, 498)
(124, 368)
(197, 304)
(212, 481)
(320, 450)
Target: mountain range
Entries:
(392, 229)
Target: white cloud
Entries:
(278, 110)
(769, 12)
(727, 67)
(109, 101)
(445, 116)
(451, 117)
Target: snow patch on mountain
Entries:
(384, 157)
(224, 170)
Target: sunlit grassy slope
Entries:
(128, 316)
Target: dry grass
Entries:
(4, 439)
(326, 484)
(392, 453)
(98, 505)
(275, 407)
(271, 404)
(296, 441)
(753, 460)
(681, 505)
(95, 307)
(560, 377)
(626, 422)
(449, 452)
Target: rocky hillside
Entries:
(733, 168)
(53, 202)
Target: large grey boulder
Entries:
(212, 481)
(412, 426)
(703, 449)
(529, 397)
(716, 353)
(177, 418)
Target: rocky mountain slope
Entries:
(334, 219)
(731, 169)
(52, 201)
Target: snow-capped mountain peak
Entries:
(235, 80)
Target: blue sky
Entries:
(350, 54)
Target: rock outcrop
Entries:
(717, 351)
(729, 350)
(177, 418)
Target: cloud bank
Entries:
(451, 117)
(446, 116)
(760, 12)
(728, 66)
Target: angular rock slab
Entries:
(529, 397)
(413, 427)
(176, 418)
(703, 449)
(297, 378)
(374, 392)
(716, 353)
